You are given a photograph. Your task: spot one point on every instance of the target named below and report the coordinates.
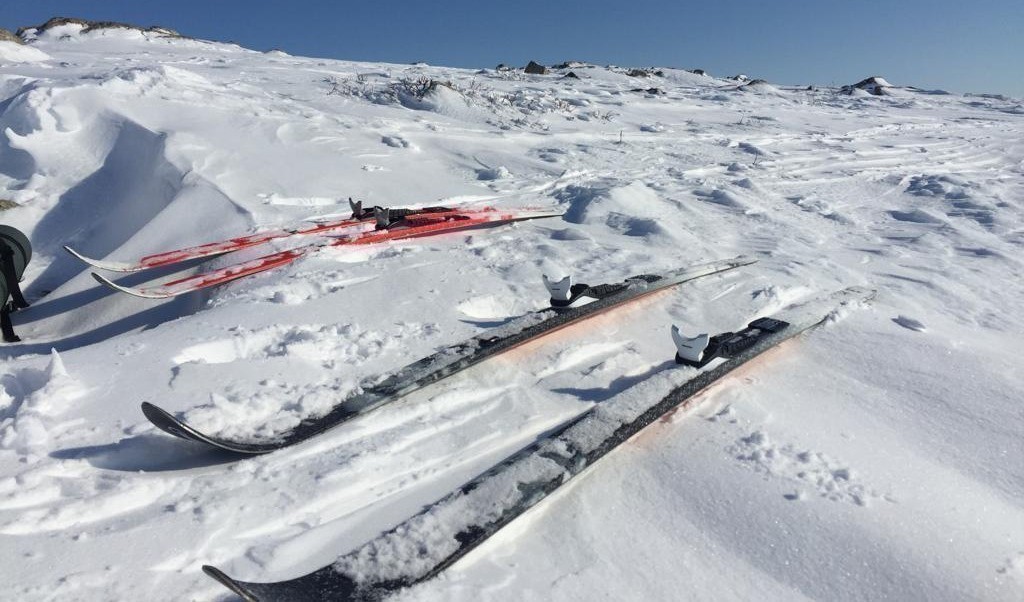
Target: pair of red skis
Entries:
(366, 226)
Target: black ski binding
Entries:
(698, 351)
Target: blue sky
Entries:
(961, 46)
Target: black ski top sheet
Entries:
(451, 360)
(416, 551)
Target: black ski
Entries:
(458, 357)
(414, 551)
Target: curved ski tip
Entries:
(110, 266)
(124, 289)
(156, 413)
(166, 422)
(77, 254)
(220, 577)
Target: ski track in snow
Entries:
(878, 457)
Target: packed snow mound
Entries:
(760, 86)
(11, 52)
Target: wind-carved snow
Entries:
(33, 402)
(11, 52)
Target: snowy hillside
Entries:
(880, 457)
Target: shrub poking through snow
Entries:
(89, 26)
(645, 72)
(426, 94)
(6, 36)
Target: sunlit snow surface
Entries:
(879, 457)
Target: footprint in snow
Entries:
(812, 472)
(909, 323)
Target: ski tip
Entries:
(156, 413)
(77, 255)
(527, 214)
(235, 586)
(125, 289)
(163, 420)
(168, 423)
(109, 266)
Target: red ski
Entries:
(361, 220)
(410, 226)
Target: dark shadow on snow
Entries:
(48, 308)
(145, 319)
(148, 453)
(617, 386)
(487, 323)
(106, 209)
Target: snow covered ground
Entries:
(881, 457)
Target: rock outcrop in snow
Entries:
(876, 86)
(87, 26)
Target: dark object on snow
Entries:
(740, 77)
(6, 36)
(655, 91)
(15, 253)
(698, 72)
(536, 69)
(571, 75)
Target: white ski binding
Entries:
(563, 292)
(690, 350)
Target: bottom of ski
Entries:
(416, 551)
